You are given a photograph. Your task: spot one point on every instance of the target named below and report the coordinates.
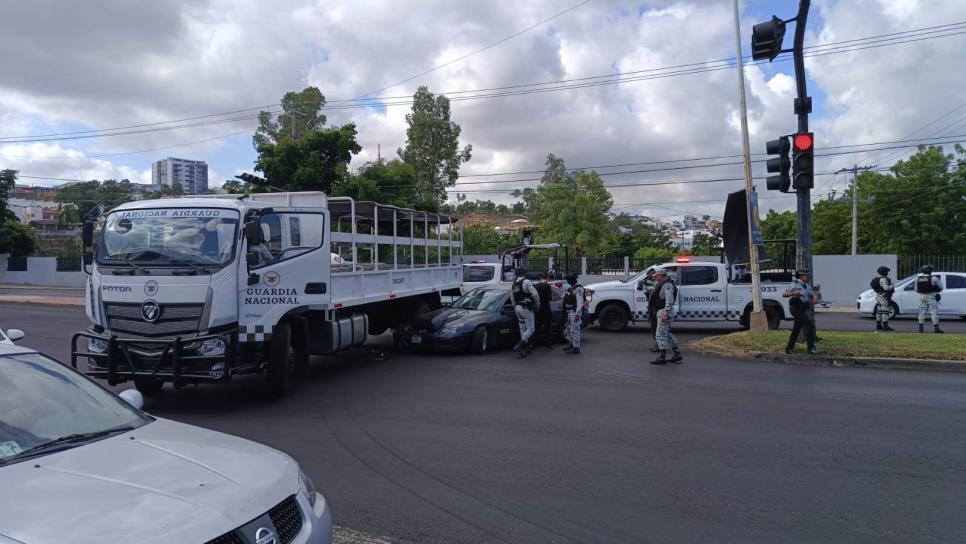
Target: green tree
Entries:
(832, 227)
(432, 143)
(8, 180)
(572, 208)
(388, 182)
(705, 244)
(16, 239)
(301, 114)
(83, 196)
(314, 162)
(483, 240)
(779, 226)
(632, 233)
(653, 255)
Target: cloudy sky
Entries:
(70, 68)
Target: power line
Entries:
(831, 48)
(101, 155)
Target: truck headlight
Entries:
(96, 345)
(307, 487)
(212, 346)
(589, 294)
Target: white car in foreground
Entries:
(80, 465)
(905, 301)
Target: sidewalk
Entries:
(27, 287)
(43, 299)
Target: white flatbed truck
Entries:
(204, 288)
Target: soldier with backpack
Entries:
(882, 285)
(928, 287)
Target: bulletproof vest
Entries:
(570, 297)
(520, 296)
(924, 284)
(661, 301)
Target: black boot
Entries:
(920, 327)
(878, 326)
(521, 350)
(655, 349)
(886, 327)
(661, 359)
(677, 357)
(936, 329)
(575, 351)
(569, 348)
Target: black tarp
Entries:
(734, 230)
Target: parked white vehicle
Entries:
(204, 288)
(706, 292)
(905, 301)
(11, 336)
(78, 464)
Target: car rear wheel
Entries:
(613, 318)
(481, 340)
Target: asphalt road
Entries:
(602, 447)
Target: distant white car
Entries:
(11, 336)
(79, 464)
(905, 301)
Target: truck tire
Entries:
(149, 387)
(280, 361)
(613, 318)
(481, 341)
(774, 318)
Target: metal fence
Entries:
(910, 264)
(69, 264)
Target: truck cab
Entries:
(707, 291)
(201, 289)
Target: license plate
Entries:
(415, 339)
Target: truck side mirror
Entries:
(640, 285)
(87, 234)
(253, 231)
(88, 259)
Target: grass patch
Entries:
(950, 347)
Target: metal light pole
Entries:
(757, 319)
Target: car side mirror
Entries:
(253, 231)
(87, 234)
(132, 397)
(15, 334)
(640, 285)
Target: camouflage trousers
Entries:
(882, 308)
(527, 327)
(665, 338)
(928, 304)
(572, 328)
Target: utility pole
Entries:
(855, 203)
(757, 320)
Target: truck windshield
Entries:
(198, 236)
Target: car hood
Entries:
(868, 293)
(435, 320)
(164, 482)
(605, 285)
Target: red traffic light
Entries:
(803, 141)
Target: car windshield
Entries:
(169, 237)
(481, 299)
(44, 401)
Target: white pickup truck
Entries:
(707, 292)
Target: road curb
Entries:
(63, 302)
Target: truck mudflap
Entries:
(174, 363)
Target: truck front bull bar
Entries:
(172, 351)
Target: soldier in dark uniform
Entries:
(544, 315)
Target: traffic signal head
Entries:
(779, 164)
(766, 39)
(803, 160)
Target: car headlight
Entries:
(450, 330)
(96, 345)
(212, 346)
(307, 487)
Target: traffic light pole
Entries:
(803, 106)
(756, 321)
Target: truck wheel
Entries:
(613, 318)
(280, 361)
(745, 320)
(149, 387)
(773, 317)
(481, 340)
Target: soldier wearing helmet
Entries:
(882, 285)
(573, 302)
(928, 287)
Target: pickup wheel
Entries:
(280, 361)
(148, 387)
(481, 341)
(613, 318)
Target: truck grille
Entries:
(173, 319)
(286, 516)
